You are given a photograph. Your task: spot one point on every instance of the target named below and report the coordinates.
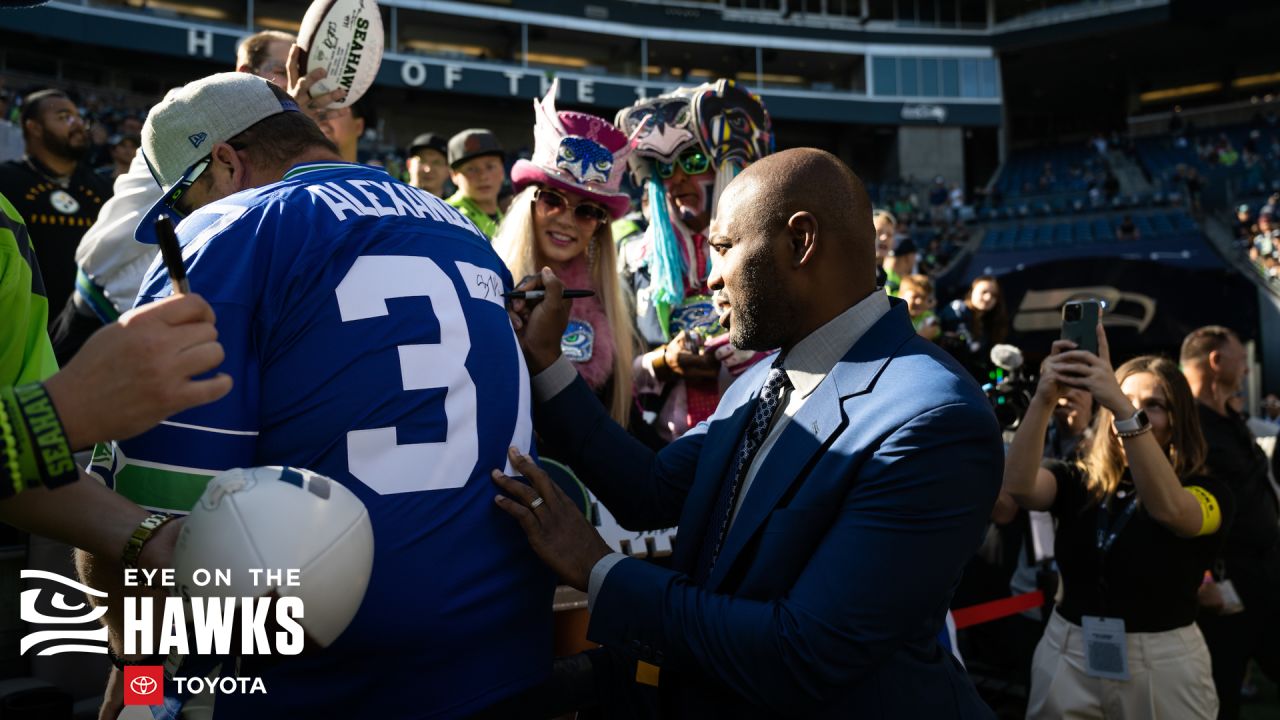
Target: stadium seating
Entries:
(1037, 235)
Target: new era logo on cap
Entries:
(143, 684)
(197, 139)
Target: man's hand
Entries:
(300, 86)
(138, 371)
(540, 324)
(686, 358)
(557, 530)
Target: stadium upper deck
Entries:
(900, 62)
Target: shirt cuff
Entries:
(556, 377)
(598, 573)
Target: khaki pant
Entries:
(1170, 677)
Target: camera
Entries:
(1009, 390)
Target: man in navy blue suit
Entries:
(825, 510)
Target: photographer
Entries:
(1138, 524)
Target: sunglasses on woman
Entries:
(551, 202)
(692, 162)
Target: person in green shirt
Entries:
(475, 158)
(900, 263)
(26, 355)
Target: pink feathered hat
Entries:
(577, 152)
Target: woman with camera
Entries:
(1139, 521)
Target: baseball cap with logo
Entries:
(472, 143)
(180, 133)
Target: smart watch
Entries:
(1134, 426)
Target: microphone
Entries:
(1006, 357)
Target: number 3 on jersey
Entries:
(373, 456)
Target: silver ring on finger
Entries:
(537, 502)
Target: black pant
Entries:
(1235, 639)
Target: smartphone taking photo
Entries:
(1080, 324)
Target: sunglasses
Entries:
(184, 184)
(692, 162)
(552, 202)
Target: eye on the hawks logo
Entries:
(61, 601)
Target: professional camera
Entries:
(1009, 390)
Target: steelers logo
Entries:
(63, 202)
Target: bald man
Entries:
(825, 510)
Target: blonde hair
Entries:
(1101, 459)
(919, 283)
(252, 51)
(516, 245)
(882, 214)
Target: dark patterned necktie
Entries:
(757, 429)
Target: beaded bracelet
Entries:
(10, 470)
(42, 453)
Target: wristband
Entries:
(141, 534)
(10, 471)
(42, 452)
(661, 370)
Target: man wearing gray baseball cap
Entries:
(192, 135)
(364, 328)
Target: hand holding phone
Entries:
(1080, 324)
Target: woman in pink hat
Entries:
(566, 198)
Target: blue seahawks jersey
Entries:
(368, 340)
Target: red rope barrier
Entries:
(996, 609)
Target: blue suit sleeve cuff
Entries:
(555, 378)
(598, 573)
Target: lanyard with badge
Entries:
(1106, 651)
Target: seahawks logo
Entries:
(578, 341)
(60, 601)
(697, 315)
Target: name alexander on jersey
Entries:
(375, 198)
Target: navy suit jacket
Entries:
(835, 578)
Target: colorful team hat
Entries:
(577, 152)
(733, 125)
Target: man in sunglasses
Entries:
(367, 338)
(109, 263)
(690, 143)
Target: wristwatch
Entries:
(1134, 426)
(140, 536)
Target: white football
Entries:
(280, 518)
(345, 38)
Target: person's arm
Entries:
(86, 515)
(643, 490)
(1030, 485)
(1165, 499)
(922, 503)
(138, 371)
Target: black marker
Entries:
(171, 252)
(539, 294)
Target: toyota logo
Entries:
(143, 685)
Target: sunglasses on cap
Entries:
(552, 202)
(692, 162)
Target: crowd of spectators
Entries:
(78, 145)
